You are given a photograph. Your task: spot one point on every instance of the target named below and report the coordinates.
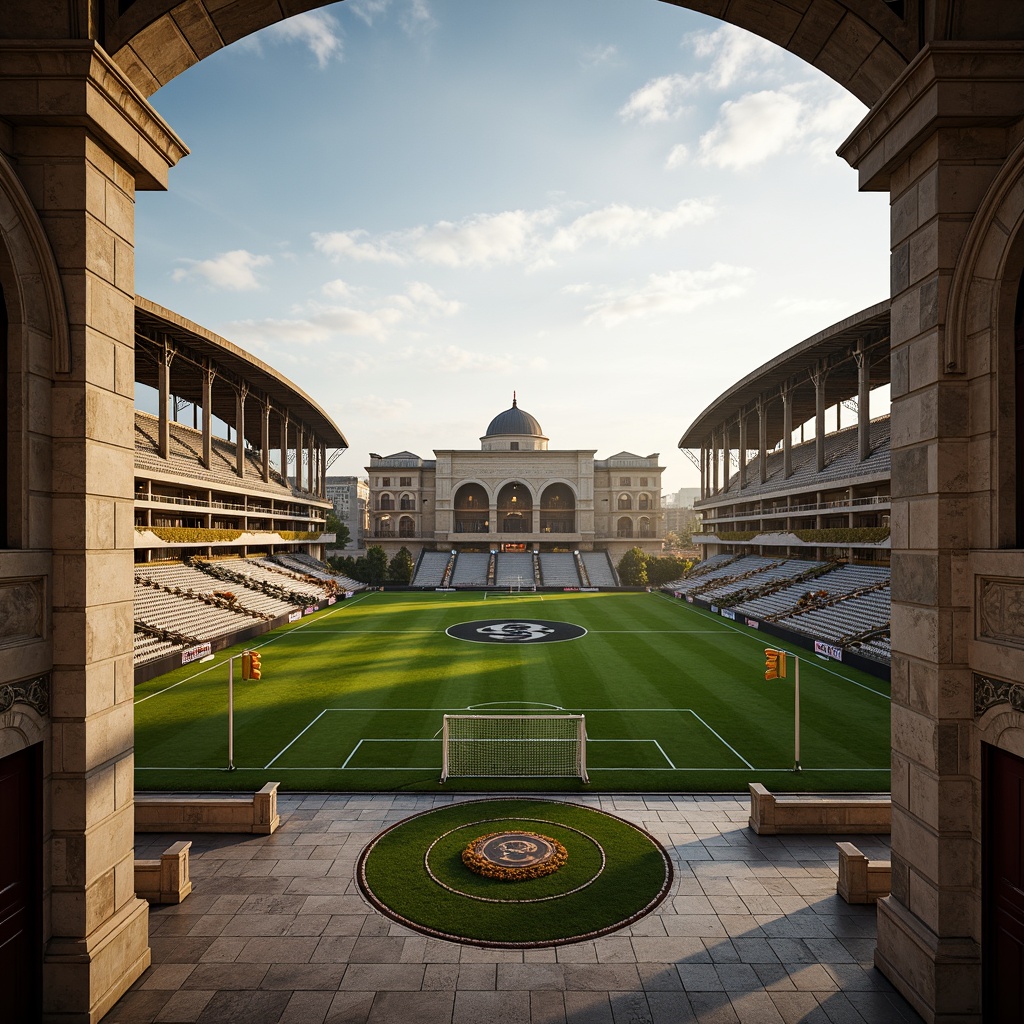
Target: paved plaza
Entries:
(276, 932)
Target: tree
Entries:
(376, 565)
(342, 534)
(401, 566)
(665, 569)
(633, 568)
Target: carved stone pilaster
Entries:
(21, 611)
(33, 692)
(990, 692)
(1001, 610)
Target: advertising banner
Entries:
(828, 650)
(195, 653)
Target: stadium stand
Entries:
(471, 569)
(515, 569)
(599, 569)
(558, 569)
(430, 571)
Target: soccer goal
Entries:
(516, 746)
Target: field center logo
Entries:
(515, 631)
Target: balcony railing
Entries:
(710, 515)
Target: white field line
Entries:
(590, 768)
(352, 753)
(297, 738)
(736, 629)
(218, 664)
(712, 731)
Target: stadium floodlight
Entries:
(511, 746)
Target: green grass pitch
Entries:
(352, 699)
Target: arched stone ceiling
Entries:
(863, 44)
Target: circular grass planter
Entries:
(615, 873)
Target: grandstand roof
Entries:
(832, 348)
(514, 421)
(234, 365)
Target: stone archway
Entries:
(861, 44)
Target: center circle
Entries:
(515, 631)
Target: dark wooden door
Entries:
(20, 889)
(1003, 886)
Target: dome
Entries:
(514, 421)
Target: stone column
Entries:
(743, 451)
(164, 390)
(240, 396)
(762, 438)
(265, 441)
(726, 452)
(787, 432)
(208, 375)
(284, 445)
(83, 139)
(936, 142)
(863, 403)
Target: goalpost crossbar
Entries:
(496, 746)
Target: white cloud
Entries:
(417, 17)
(367, 10)
(738, 56)
(325, 322)
(752, 128)
(460, 360)
(317, 30)
(598, 55)
(230, 271)
(812, 116)
(379, 408)
(674, 293)
(532, 238)
(678, 156)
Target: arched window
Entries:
(644, 527)
(625, 527)
(406, 527)
(625, 502)
(408, 503)
(558, 509)
(643, 503)
(385, 527)
(472, 509)
(386, 503)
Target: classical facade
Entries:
(944, 136)
(515, 493)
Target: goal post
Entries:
(514, 746)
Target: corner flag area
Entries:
(354, 698)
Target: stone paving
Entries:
(276, 932)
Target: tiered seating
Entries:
(186, 453)
(430, 571)
(558, 569)
(847, 618)
(514, 569)
(841, 462)
(193, 582)
(599, 569)
(242, 570)
(471, 569)
(186, 616)
(701, 569)
(773, 573)
(305, 565)
(149, 648)
(725, 571)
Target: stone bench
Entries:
(795, 813)
(862, 880)
(182, 813)
(165, 880)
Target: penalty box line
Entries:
(585, 711)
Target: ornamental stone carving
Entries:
(990, 692)
(33, 692)
(1001, 610)
(21, 611)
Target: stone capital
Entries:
(947, 85)
(74, 83)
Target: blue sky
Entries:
(412, 207)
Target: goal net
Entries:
(517, 746)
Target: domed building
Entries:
(515, 494)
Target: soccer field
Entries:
(352, 698)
